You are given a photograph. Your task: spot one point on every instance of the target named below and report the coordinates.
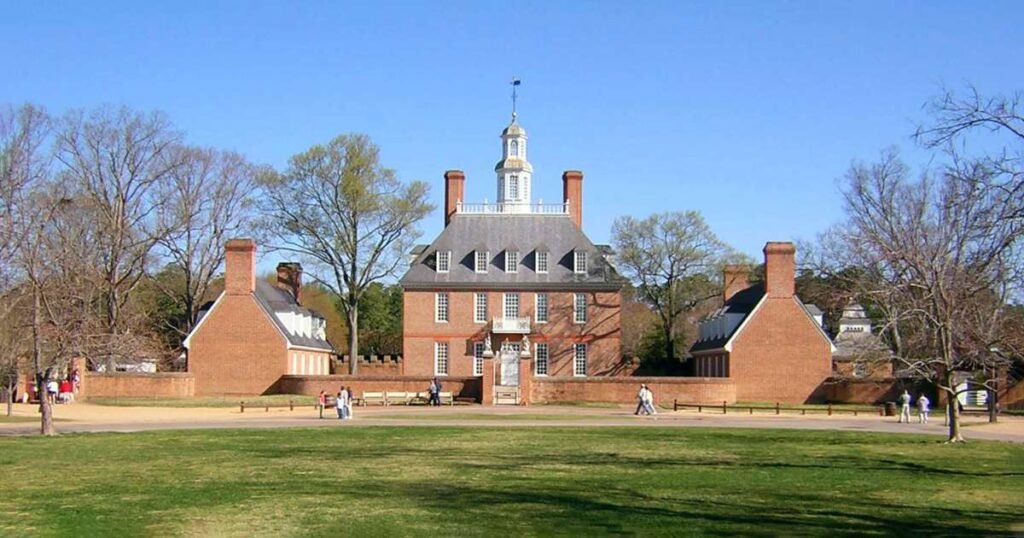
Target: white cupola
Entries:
(514, 171)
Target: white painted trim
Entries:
(728, 343)
(188, 339)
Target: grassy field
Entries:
(421, 481)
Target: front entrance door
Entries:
(510, 364)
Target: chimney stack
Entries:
(289, 278)
(454, 192)
(239, 267)
(779, 269)
(572, 194)
(735, 278)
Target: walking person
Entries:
(922, 409)
(905, 407)
(339, 403)
(640, 399)
(648, 401)
(348, 403)
(434, 392)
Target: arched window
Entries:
(514, 151)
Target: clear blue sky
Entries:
(747, 111)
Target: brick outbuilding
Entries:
(764, 338)
(255, 332)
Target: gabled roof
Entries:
(274, 299)
(556, 234)
(735, 312)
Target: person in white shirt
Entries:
(905, 407)
(922, 409)
(648, 401)
(339, 402)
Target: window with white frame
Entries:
(480, 308)
(515, 148)
(541, 355)
(541, 308)
(444, 261)
(579, 308)
(511, 307)
(513, 187)
(580, 262)
(478, 358)
(511, 261)
(541, 261)
(481, 261)
(441, 307)
(579, 359)
(440, 358)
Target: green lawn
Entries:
(380, 481)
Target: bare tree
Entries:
(114, 162)
(672, 258)
(208, 200)
(349, 219)
(938, 254)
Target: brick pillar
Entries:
(454, 192)
(735, 278)
(572, 194)
(487, 383)
(239, 267)
(779, 269)
(525, 380)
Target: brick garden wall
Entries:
(159, 385)
(624, 389)
(460, 387)
(388, 365)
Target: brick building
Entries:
(764, 338)
(255, 331)
(513, 290)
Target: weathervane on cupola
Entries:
(513, 169)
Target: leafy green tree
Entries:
(348, 218)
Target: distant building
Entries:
(514, 280)
(764, 338)
(255, 332)
(860, 353)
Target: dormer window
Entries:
(541, 259)
(444, 261)
(580, 262)
(481, 261)
(511, 261)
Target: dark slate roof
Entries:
(556, 234)
(732, 314)
(274, 299)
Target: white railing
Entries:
(511, 325)
(512, 207)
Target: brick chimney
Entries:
(779, 269)
(572, 194)
(735, 278)
(289, 278)
(454, 192)
(239, 267)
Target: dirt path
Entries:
(84, 417)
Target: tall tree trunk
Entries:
(952, 410)
(352, 320)
(10, 399)
(993, 396)
(45, 409)
(670, 345)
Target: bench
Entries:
(395, 398)
(373, 398)
(446, 398)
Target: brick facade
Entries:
(601, 332)
(624, 389)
